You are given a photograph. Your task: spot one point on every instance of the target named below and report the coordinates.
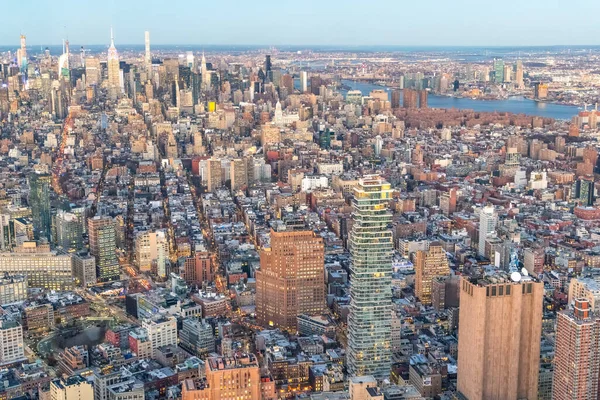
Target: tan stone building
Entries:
(291, 280)
(499, 337)
(428, 265)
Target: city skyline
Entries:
(281, 24)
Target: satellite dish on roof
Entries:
(524, 272)
(515, 276)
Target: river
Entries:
(516, 105)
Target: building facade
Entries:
(371, 245)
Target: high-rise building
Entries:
(147, 55)
(499, 337)
(487, 225)
(84, 269)
(371, 246)
(423, 98)
(114, 74)
(72, 388)
(395, 98)
(303, 81)
(498, 70)
(428, 265)
(22, 60)
(69, 231)
(583, 191)
(103, 237)
(291, 279)
(238, 173)
(268, 65)
(519, 75)
(39, 201)
(540, 91)
(152, 249)
(577, 353)
(12, 349)
(215, 174)
(410, 99)
(92, 71)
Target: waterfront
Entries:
(516, 105)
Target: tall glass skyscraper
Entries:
(371, 246)
(39, 201)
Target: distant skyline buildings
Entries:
(534, 24)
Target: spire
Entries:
(112, 38)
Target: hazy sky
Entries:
(320, 22)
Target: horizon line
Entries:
(318, 45)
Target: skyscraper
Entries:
(114, 79)
(23, 55)
(410, 99)
(498, 70)
(147, 55)
(39, 201)
(291, 279)
(303, 81)
(428, 265)
(499, 337)
(487, 225)
(69, 231)
(371, 245)
(102, 231)
(423, 98)
(519, 74)
(577, 354)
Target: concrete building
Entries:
(13, 288)
(499, 337)
(43, 268)
(487, 225)
(197, 337)
(84, 269)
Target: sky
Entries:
(304, 22)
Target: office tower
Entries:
(507, 73)
(84, 269)
(499, 337)
(238, 173)
(396, 98)
(114, 80)
(71, 388)
(197, 337)
(423, 98)
(11, 341)
(162, 331)
(287, 81)
(410, 99)
(39, 201)
(303, 81)
(498, 70)
(205, 74)
(371, 245)
(268, 65)
(577, 353)
(147, 55)
(291, 279)
(583, 191)
(102, 232)
(214, 172)
(487, 225)
(519, 75)
(92, 71)
(69, 231)
(428, 265)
